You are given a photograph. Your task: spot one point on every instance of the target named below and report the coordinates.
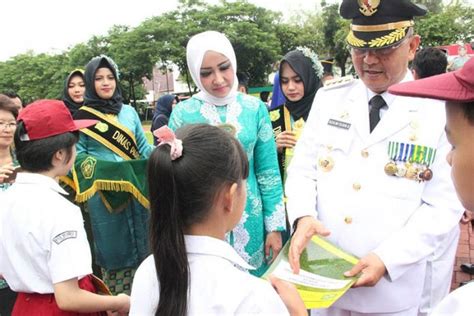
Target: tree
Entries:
(34, 76)
(453, 24)
(433, 6)
(335, 30)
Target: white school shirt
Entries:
(42, 236)
(217, 286)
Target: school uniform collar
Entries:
(39, 179)
(204, 245)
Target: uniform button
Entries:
(364, 153)
(348, 220)
(356, 186)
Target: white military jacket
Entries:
(401, 220)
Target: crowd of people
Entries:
(95, 219)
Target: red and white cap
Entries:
(46, 118)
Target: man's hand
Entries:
(372, 269)
(306, 228)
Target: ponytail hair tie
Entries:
(166, 135)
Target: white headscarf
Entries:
(197, 47)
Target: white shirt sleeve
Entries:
(70, 255)
(144, 298)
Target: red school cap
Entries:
(452, 86)
(46, 118)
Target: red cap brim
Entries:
(80, 124)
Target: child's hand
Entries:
(123, 305)
(290, 296)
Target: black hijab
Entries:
(91, 99)
(70, 104)
(303, 66)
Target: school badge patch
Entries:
(69, 234)
(88, 167)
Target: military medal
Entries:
(390, 168)
(401, 170)
(412, 172)
(410, 161)
(425, 175)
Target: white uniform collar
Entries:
(39, 179)
(388, 97)
(205, 245)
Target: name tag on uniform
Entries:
(339, 124)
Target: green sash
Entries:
(110, 133)
(114, 181)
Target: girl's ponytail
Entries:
(167, 238)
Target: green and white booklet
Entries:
(321, 281)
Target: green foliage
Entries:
(260, 38)
(433, 6)
(34, 76)
(453, 24)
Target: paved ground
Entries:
(465, 253)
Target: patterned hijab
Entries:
(91, 99)
(303, 66)
(68, 101)
(197, 47)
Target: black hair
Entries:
(12, 95)
(37, 155)
(264, 96)
(181, 193)
(6, 104)
(430, 61)
(468, 109)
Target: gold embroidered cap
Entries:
(379, 23)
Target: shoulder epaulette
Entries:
(338, 82)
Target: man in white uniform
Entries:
(369, 171)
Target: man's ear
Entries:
(414, 43)
(229, 197)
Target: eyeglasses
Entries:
(4, 126)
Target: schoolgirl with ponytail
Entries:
(197, 187)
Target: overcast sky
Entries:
(55, 25)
